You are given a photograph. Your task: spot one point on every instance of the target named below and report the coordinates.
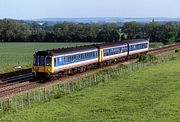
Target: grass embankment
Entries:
(156, 44)
(20, 54)
(148, 94)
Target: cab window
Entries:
(48, 61)
(35, 61)
(41, 61)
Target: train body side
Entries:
(47, 63)
(112, 51)
(138, 47)
(115, 52)
(68, 61)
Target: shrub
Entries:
(152, 58)
(145, 58)
(142, 58)
(177, 51)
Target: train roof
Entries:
(63, 51)
(135, 41)
(115, 44)
(111, 44)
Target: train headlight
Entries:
(34, 68)
(34, 74)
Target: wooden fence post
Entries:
(28, 98)
(59, 87)
(44, 93)
(1, 106)
(16, 104)
(95, 78)
(8, 103)
(22, 101)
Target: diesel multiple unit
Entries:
(67, 60)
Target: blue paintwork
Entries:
(135, 47)
(110, 51)
(62, 62)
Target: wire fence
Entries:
(59, 90)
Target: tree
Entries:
(12, 30)
(134, 30)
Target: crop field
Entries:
(148, 94)
(20, 54)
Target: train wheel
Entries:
(81, 69)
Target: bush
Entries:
(152, 58)
(142, 58)
(145, 58)
(177, 51)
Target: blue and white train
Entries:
(78, 59)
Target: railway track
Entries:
(17, 88)
(13, 85)
(19, 78)
(159, 51)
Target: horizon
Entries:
(39, 19)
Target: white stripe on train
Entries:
(76, 64)
(115, 56)
(59, 68)
(139, 51)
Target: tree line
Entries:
(156, 32)
(21, 31)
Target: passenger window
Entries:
(83, 56)
(55, 62)
(74, 57)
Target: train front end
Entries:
(43, 63)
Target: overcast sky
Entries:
(35, 9)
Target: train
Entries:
(57, 62)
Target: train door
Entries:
(128, 50)
(100, 55)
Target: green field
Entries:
(20, 54)
(148, 94)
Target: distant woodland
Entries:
(21, 31)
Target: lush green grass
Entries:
(15, 54)
(149, 94)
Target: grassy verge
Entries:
(156, 45)
(148, 94)
(20, 54)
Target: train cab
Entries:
(42, 64)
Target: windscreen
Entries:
(48, 61)
(35, 61)
(41, 60)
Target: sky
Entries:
(37, 9)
